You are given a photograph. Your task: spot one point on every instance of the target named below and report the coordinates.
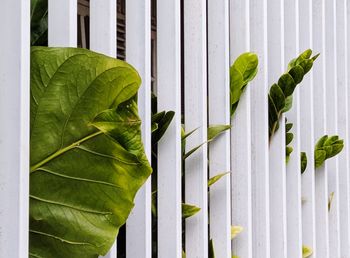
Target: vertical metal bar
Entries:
(169, 148)
(319, 99)
(332, 123)
(241, 181)
(259, 133)
(195, 52)
(138, 54)
(103, 37)
(293, 175)
(343, 126)
(14, 137)
(219, 113)
(307, 131)
(63, 23)
(277, 169)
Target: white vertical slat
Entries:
(259, 133)
(103, 27)
(219, 113)
(195, 52)
(241, 200)
(293, 174)
(169, 148)
(331, 124)
(14, 137)
(138, 54)
(277, 169)
(343, 127)
(347, 81)
(319, 99)
(62, 23)
(307, 130)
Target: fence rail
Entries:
(279, 208)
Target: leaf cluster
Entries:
(327, 147)
(280, 97)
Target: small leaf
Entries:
(215, 130)
(289, 138)
(278, 97)
(235, 230)
(287, 84)
(288, 104)
(307, 251)
(289, 126)
(303, 161)
(320, 157)
(297, 72)
(189, 153)
(216, 178)
(321, 142)
(189, 210)
(163, 125)
(211, 249)
(330, 200)
(289, 150)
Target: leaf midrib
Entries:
(63, 150)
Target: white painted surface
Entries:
(219, 113)
(307, 130)
(169, 148)
(14, 134)
(343, 126)
(293, 175)
(195, 35)
(62, 23)
(241, 181)
(331, 124)
(277, 169)
(319, 100)
(259, 132)
(103, 27)
(138, 54)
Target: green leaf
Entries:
(289, 138)
(38, 22)
(289, 126)
(320, 157)
(183, 254)
(327, 147)
(189, 210)
(278, 97)
(243, 70)
(303, 161)
(215, 130)
(211, 249)
(216, 178)
(297, 68)
(288, 104)
(287, 84)
(163, 123)
(190, 152)
(307, 251)
(235, 231)
(87, 159)
(289, 151)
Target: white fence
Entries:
(262, 194)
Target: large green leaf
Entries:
(38, 20)
(86, 155)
